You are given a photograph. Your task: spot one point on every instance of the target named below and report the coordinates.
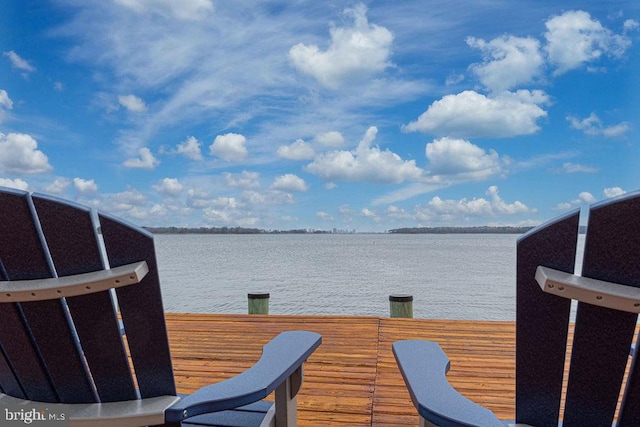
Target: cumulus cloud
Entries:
(17, 183)
(127, 201)
(441, 210)
(145, 161)
(324, 216)
(245, 180)
(584, 198)
(298, 150)
(368, 213)
(230, 147)
(85, 186)
(509, 61)
(190, 148)
(289, 183)
(471, 114)
(574, 39)
(630, 25)
(593, 126)
(170, 187)
(462, 159)
(355, 52)
(18, 62)
(132, 103)
(330, 139)
(365, 163)
(613, 192)
(19, 154)
(58, 186)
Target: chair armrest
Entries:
(424, 365)
(71, 286)
(281, 357)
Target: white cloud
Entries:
(455, 211)
(593, 126)
(365, 163)
(330, 139)
(298, 150)
(132, 103)
(289, 183)
(5, 104)
(85, 186)
(190, 148)
(198, 198)
(458, 157)
(245, 180)
(145, 161)
(14, 183)
(509, 61)
(368, 213)
(355, 52)
(58, 186)
(630, 25)
(471, 114)
(584, 198)
(269, 197)
(184, 10)
(324, 216)
(613, 192)
(230, 147)
(574, 38)
(170, 187)
(19, 154)
(5, 101)
(395, 212)
(569, 167)
(18, 62)
(130, 201)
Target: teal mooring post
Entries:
(258, 302)
(401, 305)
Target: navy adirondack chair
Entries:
(62, 326)
(608, 302)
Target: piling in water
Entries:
(401, 305)
(258, 302)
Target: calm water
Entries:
(450, 276)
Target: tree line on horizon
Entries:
(406, 230)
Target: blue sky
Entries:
(366, 115)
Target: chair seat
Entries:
(256, 414)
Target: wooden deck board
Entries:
(352, 379)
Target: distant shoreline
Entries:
(408, 230)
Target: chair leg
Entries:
(286, 401)
(425, 423)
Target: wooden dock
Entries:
(352, 379)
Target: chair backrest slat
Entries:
(71, 350)
(630, 407)
(141, 307)
(542, 321)
(74, 248)
(603, 336)
(49, 366)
